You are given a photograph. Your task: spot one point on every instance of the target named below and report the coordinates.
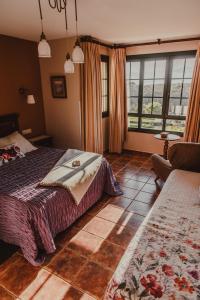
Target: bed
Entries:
(31, 216)
(163, 259)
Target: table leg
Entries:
(165, 149)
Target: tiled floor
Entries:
(89, 251)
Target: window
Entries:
(158, 90)
(105, 85)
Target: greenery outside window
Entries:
(105, 85)
(158, 90)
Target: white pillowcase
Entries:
(17, 139)
(5, 141)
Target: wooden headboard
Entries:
(8, 124)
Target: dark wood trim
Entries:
(105, 58)
(105, 114)
(8, 124)
(91, 39)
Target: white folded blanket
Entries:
(76, 180)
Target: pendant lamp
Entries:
(77, 54)
(44, 49)
(68, 65)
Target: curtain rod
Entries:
(91, 39)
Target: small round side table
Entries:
(170, 137)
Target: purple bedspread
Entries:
(31, 216)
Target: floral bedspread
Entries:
(163, 259)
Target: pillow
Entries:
(5, 141)
(17, 139)
(9, 153)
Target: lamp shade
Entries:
(44, 49)
(68, 65)
(30, 99)
(77, 55)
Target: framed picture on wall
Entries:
(58, 86)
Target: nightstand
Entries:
(42, 140)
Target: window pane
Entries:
(152, 123)
(160, 68)
(133, 88)
(148, 88)
(104, 87)
(135, 70)
(189, 67)
(186, 88)
(128, 70)
(151, 87)
(149, 69)
(147, 105)
(178, 67)
(132, 122)
(103, 70)
(176, 87)
(175, 125)
(157, 106)
(185, 106)
(104, 104)
(158, 88)
(133, 105)
(175, 108)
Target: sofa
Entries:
(184, 156)
(162, 260)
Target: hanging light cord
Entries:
(41, 17)
(60, 5)
(76, 16)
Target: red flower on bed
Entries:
(151, 285)
(168, 270)
(183, 285)
(163, 253)
(188, 242)
(194, 274)
(6, 156)
(9, 153)
(183, 257)
(196, 247)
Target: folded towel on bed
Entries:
(76, 180)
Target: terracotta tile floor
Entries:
(90, 250)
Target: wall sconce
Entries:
(30, 99)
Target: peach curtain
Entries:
(192, 131)
(118, 111)
(91, 102)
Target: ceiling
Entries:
(118, 21)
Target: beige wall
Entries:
(146, 142)
(63, 119)
(171, 47)
(19, 67)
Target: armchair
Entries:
(185, 156)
